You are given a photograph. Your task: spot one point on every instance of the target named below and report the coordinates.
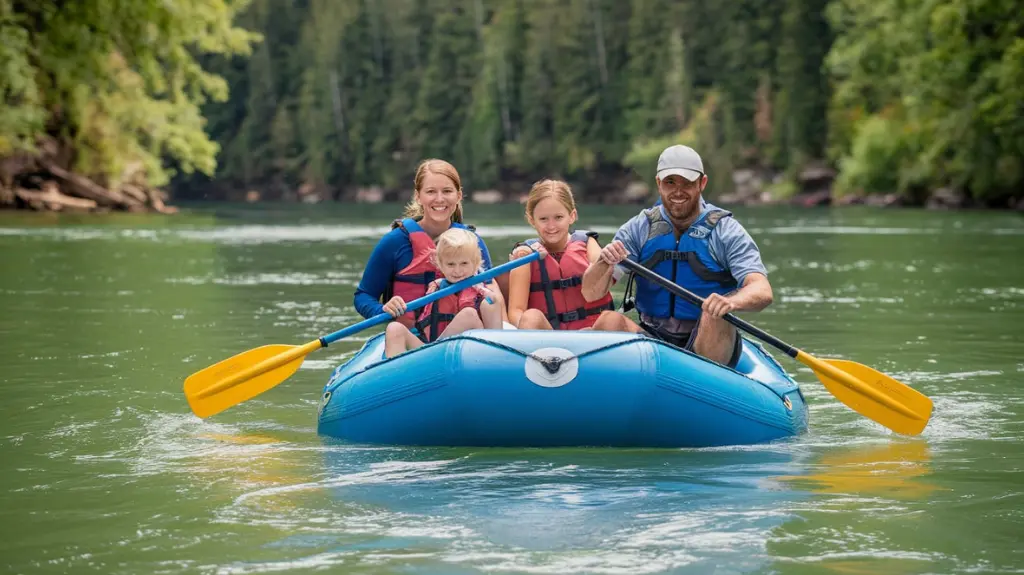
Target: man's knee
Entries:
(715, 325)
(716, 339)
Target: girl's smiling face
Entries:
(552, 220)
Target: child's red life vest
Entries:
(437, 315)
(556, 286)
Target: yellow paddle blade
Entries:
(243, 376)
(872, 394)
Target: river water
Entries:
(105, 469)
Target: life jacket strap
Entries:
(583, 313)
(557, 284)
(425, 322)
(424, 278)
(723, 277)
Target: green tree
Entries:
(118, 82)
(801, 101)
(945, 77)
(651, 27)
(447, 83)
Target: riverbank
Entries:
(48, 181)
(814, 186)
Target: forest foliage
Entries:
(333, 95)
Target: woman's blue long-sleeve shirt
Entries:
(392, 254)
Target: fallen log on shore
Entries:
(45, 182)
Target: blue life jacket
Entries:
(687, 262)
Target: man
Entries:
(696, 245)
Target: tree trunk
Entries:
(83, 186)
(602, 59)
(51, 198)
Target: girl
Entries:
(548, 294)
(458, 257)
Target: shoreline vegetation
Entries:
(804, 102)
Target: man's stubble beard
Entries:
(687, 218)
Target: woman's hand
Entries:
(395, 306)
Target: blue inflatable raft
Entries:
(521, 388)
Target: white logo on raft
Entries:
(542, 375)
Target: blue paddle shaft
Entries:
(416, 304)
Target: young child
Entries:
(548, 293)
(458, 257)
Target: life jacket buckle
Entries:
(573, 315)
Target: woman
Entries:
(548, 293)
(400, 267)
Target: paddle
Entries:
(250, 373)
(867, 391)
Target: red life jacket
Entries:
(556, 286)
(411, 281)
(437, 315)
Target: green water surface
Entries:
(105, 469)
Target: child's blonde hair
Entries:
(457, 241)
(549, 189)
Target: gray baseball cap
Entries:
(681, 161)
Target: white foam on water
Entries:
(602, 561)
(1000, 293)
(871, 554)
(291, 305)
(966, 415)
(846, 230)
(317, 562)
(835, 299)
(932, 377)
(326, 364)
(293, 278)
(385, 472)
(660, 543)
(186, 443)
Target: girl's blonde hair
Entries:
(549, 189)
(433, 166)
(457, 241)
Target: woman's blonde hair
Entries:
(457, 241)
(549, 189)
(434, 166)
